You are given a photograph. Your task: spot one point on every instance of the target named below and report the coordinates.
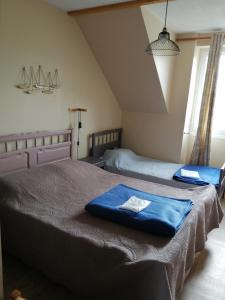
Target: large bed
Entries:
(42, 198)
(107, 144)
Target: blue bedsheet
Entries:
(208, 175)
(163, 216)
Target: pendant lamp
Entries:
(163, 46)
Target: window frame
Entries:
(196, 92)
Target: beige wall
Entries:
(33, 33)
(119, 39)
(160, 135)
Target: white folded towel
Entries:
(135, 204)
(190, 174)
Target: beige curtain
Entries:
(201, 150)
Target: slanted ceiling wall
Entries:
(119, 38)
(152, 92)
(161, 135)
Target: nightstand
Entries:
(1, 276)
(98, 162)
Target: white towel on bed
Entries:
(190, 174)
(135, 204)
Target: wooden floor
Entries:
(32, 284)
(206, 280)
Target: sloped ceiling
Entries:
(183, 16)
(192, 15)
(118, 40)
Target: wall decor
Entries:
(31, 82)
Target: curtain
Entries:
(201, 150)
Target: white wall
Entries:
(160, 135)
(164, 65)
(32, 33)
(217, 152)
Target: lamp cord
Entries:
(166, 12)
(78, 132)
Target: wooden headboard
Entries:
(103, 140)
(26, 150)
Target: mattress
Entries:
(44, 223)
(127, 160)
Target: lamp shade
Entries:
(163, 46)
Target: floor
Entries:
(32, 284)
(206, 280)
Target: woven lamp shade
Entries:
(163, 46)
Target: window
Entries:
(196, 91)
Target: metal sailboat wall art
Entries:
(48, 88)
(23, 82)
(31, 82)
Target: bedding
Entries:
(126, 159)
(44, 223)
(155, 214)
(206, 175)
(126, 162)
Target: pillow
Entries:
(113, 157)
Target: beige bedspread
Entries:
(44, 224)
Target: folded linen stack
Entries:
(190, 174)
(128, 206)
(199, 175)
(135, 204)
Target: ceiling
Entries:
(183, 15)
(192, 15)
(79, 4)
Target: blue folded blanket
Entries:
(208, 175)
(163, 216)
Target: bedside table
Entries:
(98, 162)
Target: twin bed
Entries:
(42, 198)
(107, 144)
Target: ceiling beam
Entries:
(121, 5)
(194, 38)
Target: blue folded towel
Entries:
(207, 175)
(163, 216)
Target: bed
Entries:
(42, 198)
(107, 144)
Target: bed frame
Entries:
(110, 139)
(221, 186)
(103, 140)
(26, 150)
